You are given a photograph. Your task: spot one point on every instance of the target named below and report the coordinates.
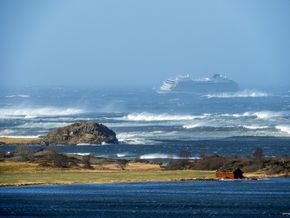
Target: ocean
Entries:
(260, 198)
(153, 125)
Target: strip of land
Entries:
(15, 173)
(27, 165)
(11, 141)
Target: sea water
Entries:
(260, 198)
(153, 125)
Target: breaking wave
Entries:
(150, 117)
(121, 154)
(17, 96)
(37, 112)
(43, 125)
(254, 127)
(240, 94)
(268, 114)
(159, 117)
(163, 156)
(143, 137)
(264, 115)
(284, 128)
(80, 154)
(20, 136)
(191, 126)
(6, 132)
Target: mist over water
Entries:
(142, 118)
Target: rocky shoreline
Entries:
(77, 133)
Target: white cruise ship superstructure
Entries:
(214, 84)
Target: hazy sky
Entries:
(143, 42)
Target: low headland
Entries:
(28, 166)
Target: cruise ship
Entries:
(183, 83)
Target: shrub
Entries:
(24, 152)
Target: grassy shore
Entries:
(15, 173)
(8, 140)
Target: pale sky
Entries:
(106, 42)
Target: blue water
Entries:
(263, 198)
(149, 124)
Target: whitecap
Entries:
(263, 115)
(254, 127)
(121, 154)
(191, 126)
(268, 114)
(18, 96)
(164, 156)
(20, 136)
(159, 117)
(33, 112)
(6, 132)
(240, 94)
(43, 125)
(83, 144)
(143, 138)
(284, 128)
(80, 154)
(155, 156)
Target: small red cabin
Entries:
(229, 174)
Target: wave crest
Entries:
(18, 96)
(254, 127)
(159, 117)
(37, 112)
(163, 156)
(240, 94)
(6, 132)
(284, 128)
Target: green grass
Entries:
(67, 177)
(23, 173)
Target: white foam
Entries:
(254, 127)
(138, 137)
(240, 94)
(155, 156)
(284, 128)
(159, 117)
(43, 125)
(80, 154)
(18, 96)
(6, 132)
(121, 154)
(191, 126)
(83, 144)
(265, 115)
(32, 112)
(164, 156)
(20, 136)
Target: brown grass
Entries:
(15, 173)
(8, 140)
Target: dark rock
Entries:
(81, 132)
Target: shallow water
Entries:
(262, 198)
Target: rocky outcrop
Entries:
(81, 132)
